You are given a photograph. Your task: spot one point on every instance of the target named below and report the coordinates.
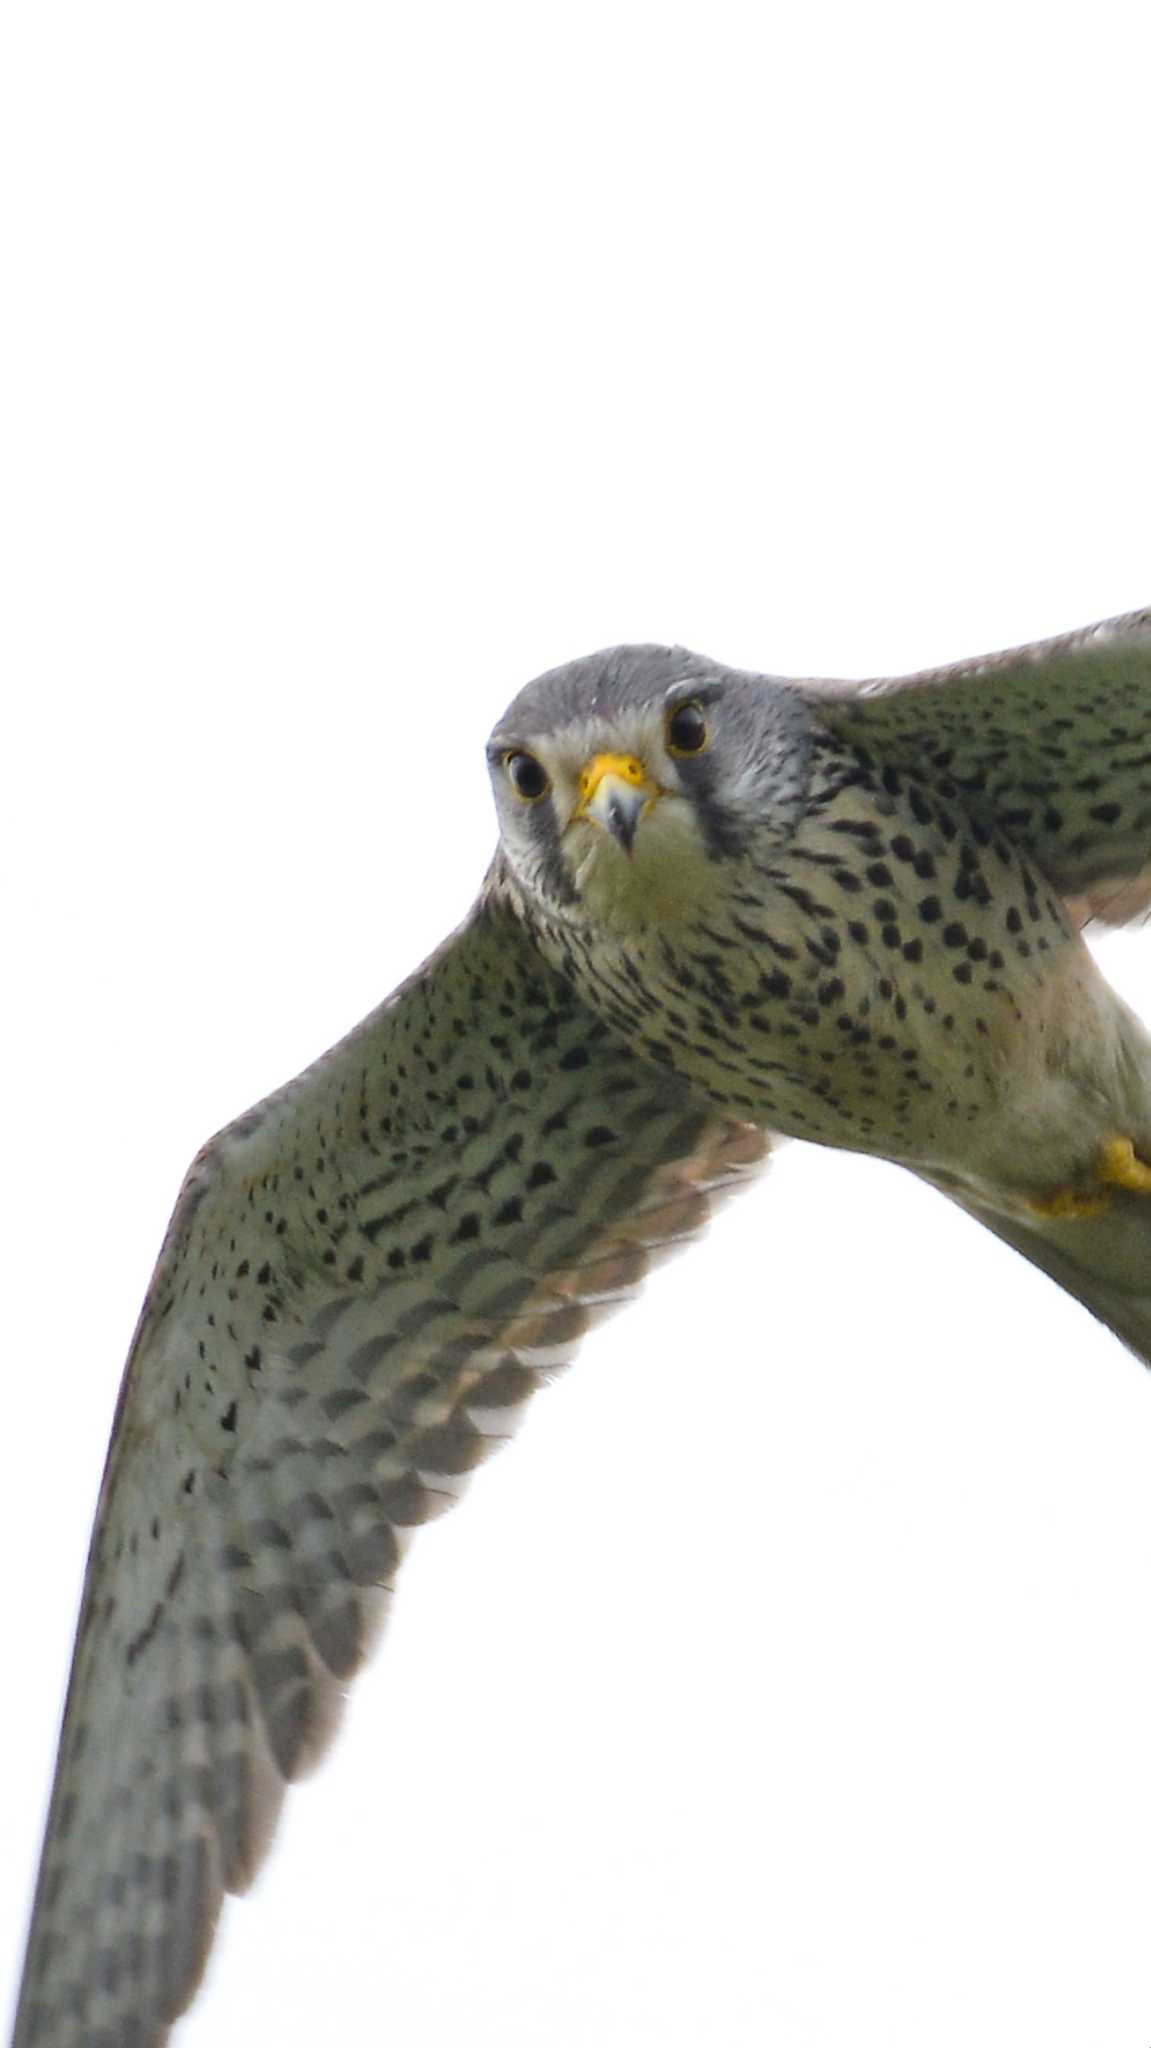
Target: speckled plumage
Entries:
(851, 916)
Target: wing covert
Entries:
(1051, 742)
(363, 1281)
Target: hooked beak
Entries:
(614, 793)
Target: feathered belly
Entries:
(852, 1045)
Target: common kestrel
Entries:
(723, 905)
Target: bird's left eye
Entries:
(528, 777)
(686, 728)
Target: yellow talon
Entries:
(1116, 1167)
(1119, 1167)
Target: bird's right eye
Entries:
(528, 777)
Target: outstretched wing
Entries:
(1051, 742)
(363, 1281)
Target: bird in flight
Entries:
(724, 907)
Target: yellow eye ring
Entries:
(685, 728)
(528, 777)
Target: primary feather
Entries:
(364, 1280)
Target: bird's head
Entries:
(622, 779)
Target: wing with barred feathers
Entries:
(363, 1281)
(1050, 743)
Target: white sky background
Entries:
(788, 1680)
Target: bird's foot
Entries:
(1116, 1167)
(1119, 1168)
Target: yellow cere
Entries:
(625, 766)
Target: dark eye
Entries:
(686, 729)
(527, 776)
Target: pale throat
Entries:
(669, 877)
